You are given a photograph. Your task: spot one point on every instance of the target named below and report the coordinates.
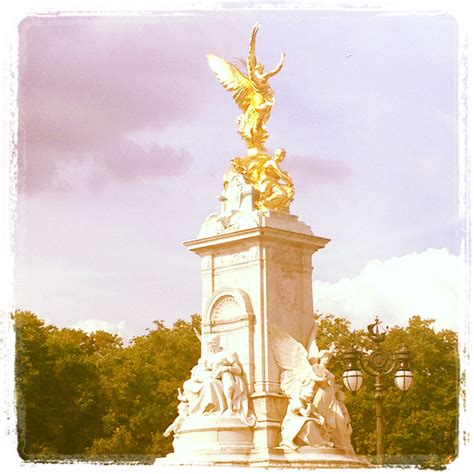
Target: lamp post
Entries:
(377, 363)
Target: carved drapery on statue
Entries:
(303, 426)
(316, 402)
(329, 401)
(254, 96)
(217, 387)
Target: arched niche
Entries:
(229, 314)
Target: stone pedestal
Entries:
(256, 272)
(253, 277)
(206, 440)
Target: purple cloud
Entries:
(127, 161)
(83, 85)
(120, 161)
(315, 170)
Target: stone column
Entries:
(252, 278)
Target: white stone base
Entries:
(207, 434)
(306, 457)
(212, 441)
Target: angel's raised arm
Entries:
(278, 68)
(252, 57)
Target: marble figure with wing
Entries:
(316, 414)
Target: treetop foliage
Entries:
(88, 396)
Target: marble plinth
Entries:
(208, 434)
(304, 458)
(256, 270)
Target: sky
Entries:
(125, 135)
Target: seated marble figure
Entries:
(303, 425)
(217, 384)
(329, 401)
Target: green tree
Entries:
(31, 371)
(140, 385)
(424, 421)
(421, 426)
(82, 395)
(58, 392)
(89, 396)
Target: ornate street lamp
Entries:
(377, 363)
(352, 376)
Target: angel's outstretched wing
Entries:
(312, 347)
(252, 57)
(233, 80)
(292, 359)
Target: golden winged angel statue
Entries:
(255, 97)
(252, 93)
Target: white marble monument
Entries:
(257, 309)
(261, 394)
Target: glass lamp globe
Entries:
(403, 379)
(352, 380)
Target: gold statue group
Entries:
(255, 98)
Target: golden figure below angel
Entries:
(255, 98)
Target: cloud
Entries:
(128, 160)
(82, 82)
(308, 168)
(92, 325)
(425, 284)
(85, 84)
(122, 161)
